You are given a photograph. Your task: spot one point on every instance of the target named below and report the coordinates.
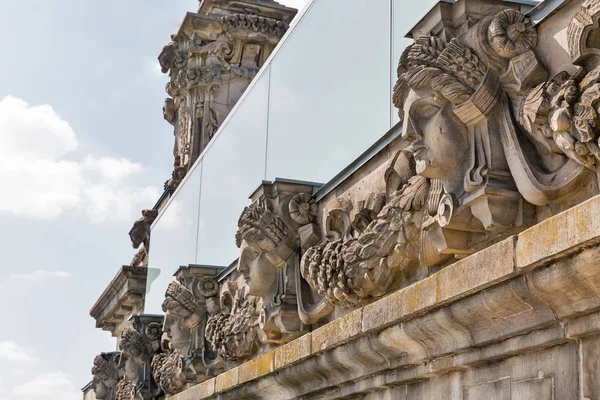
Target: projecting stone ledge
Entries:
(536, 292)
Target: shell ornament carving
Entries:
(303, 209)
(511, 33)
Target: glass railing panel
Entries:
(173, 239)
(330, 89)
(234, 166)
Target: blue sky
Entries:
(83, 149)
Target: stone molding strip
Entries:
(534, 290)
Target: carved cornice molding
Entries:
(240, 25)
(122, 297)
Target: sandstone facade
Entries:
(459, 261)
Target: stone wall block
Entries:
(566, 232)
(227, 379)
(394, 342)
(478, 271)
(200, 391)
(439, 332)
(294, 377)
(590, 367)
(400, 305)
(351, 361)
(257, 367)
(337, 331)
(501, 312)
(516, 345)
(294, 351)
(571, 285)
(584, 326)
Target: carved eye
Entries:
(251, 255)
(427, 111)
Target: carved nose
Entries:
(410, 132)
(242, 266)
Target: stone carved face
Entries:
(101, 390)
(438, 137)
(179, 337)
(132, 369)
(259, 273)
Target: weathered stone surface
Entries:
(584, 326)
(256, 367)
(199, 391)
(227, 379)
(563, 233)
(590, 365)
(337, 331)
(478, 271)
(294, 351)
(401, 304)
(490, 304)
(570, 285)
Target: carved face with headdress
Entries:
(434, 93)
(182, 313)
(459, 101)
(264, 248)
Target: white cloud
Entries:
(50, 386)
(17, 372)
(10, 351)
(34, 145)
(40, 275)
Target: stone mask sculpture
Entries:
(264, 248)
(489, 138)
(107, 372)
(186, 360)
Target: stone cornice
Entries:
(500, 302)
(269, 8)
(123, 295)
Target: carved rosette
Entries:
(303, 209)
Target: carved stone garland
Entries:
(442, 205)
